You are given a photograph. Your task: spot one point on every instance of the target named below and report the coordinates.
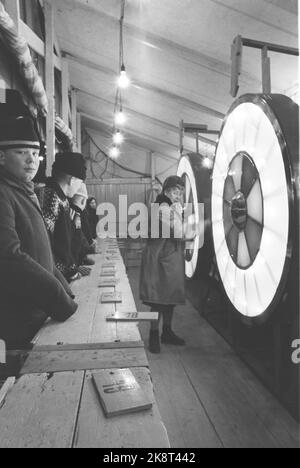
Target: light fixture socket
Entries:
(120, 118)
(118, 137)
(114, 152)
(123, 81)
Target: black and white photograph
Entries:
(149, 227)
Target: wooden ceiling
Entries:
(177, 54)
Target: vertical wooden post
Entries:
(78, 132)
(74, 113)
(65, 84)
(236, 64)
(266, 71)
(13, 9)
(181, 136)
(153, 167)
(50, 83)
(2, 90)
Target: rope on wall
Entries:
(63, 127)
(18, 47)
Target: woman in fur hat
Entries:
(162, 282)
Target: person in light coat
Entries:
(162, 281)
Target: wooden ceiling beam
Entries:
(135, 145)
(106, 126)
(136, 133)
(258, 19)
(152, 120)
(131, 137)
(160, 43)
(291, 6)
(148, 87)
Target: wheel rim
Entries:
(191, 196)
(250, 208)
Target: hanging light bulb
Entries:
(120, 118)
(118, 138)
(114, 152)
(123, 81)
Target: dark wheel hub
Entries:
(239, 210)
(243, 233)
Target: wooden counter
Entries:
(54, 404)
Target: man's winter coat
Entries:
(80, 245)
(93, 221)
(85, 226)
(31, 288)
(56, 211)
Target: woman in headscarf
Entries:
(92, 216)
(162, 283)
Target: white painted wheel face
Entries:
(250, 210)
(191, 196)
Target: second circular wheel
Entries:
(196, 169)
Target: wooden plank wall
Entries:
(110, 190)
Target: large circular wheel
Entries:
(254, 200)
(197, 170)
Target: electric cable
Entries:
(124, 168)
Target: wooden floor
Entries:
(207, 396)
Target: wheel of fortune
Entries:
(254, 199)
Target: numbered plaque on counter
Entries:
(108, 283)
(111, 298)
(132, 317)
(120, 393)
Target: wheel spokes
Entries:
(236, 172)
(227, 218)
(255, 203)
(229, 189)
(232, 239)
(253, 235)
(249, 177)
(243, 258)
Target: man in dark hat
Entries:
(68, 173)
(31, 288)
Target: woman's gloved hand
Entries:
(178, 208)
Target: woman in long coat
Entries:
(91, 209)
(162, 282)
